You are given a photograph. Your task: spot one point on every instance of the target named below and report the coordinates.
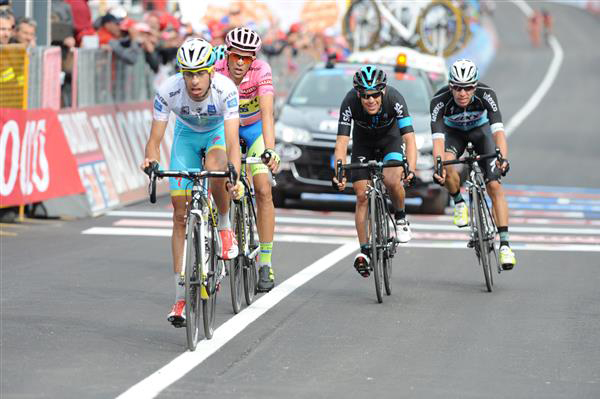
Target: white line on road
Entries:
(151, 386)
(543, 88)
(447, 241)
(350, 223)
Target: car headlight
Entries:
(424, 142)
(291, 134)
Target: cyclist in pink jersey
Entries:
(255, 86)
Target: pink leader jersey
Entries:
(257, 82)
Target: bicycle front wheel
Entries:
(237, 264)
(480, 232)
(250, 271)
(209, 262)
(374, 230)
(192, 281)
(387, 260)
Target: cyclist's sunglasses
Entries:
(246, 59)
(190, 72)
(465, 88)
(365, 95)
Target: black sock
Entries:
(503, 233)
(364, 248)
(400, 214)
(457, 197)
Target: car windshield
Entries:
(327, 88)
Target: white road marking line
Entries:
(154, 384)
(349, 223)
(141, 214)
(420, 240)
(547, 82)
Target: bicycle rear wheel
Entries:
(387, 260)
(250, 272)
(480, 242)
(192, 281)
(209, 260)
(237, 264)
(374, 230)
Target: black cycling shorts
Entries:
(377, 149)
(481, 137)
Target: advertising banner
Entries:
(36, 163)
(108, 143)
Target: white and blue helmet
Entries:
(463, 73)
(195, 54)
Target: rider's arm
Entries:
(341, 148)
(158, 128)
(490, 101)
(157, 132)
(411, 150)
(265, 102)
(268, 121)
(436, 108)
(230, 103)
(232, 141)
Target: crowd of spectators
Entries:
(156, 35)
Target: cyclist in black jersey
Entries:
(381, 124)
(467, 110)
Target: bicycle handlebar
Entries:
(375, 165)
(469, 159)
(153, 173)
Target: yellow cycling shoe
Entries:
(507, 258)
(461, 214)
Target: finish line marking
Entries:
(154, 384)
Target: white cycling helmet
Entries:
(195, 54)
(243, 39)
(463, 73)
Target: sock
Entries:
(400, 214)
(179, 289)
(224, 222)
(266, 249)
(457, 197)
(364, 248)
(503, 233)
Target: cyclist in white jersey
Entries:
(207, 122)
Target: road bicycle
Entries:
(243, 269)
(382, 239)
(202, 270)
(481, 222)
(435, 28)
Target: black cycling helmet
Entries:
(369, 77)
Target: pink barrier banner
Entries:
(36, 163)
(108, 143)
(51, 78)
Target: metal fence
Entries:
(92, 77)
(133, 83)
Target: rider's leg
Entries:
(392, 178)
(216, 159)
(360, 215)
(184, 155)
(361, 261)
(264, 204)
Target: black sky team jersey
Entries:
(392, 117)
(482, 109)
